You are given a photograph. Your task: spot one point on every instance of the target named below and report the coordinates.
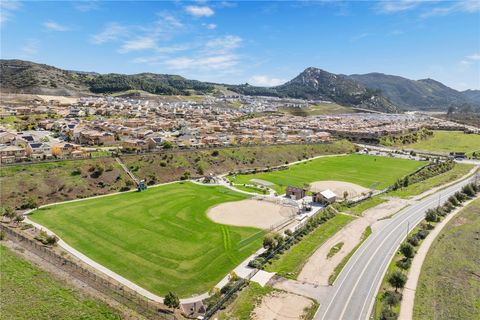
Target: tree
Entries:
(345, 195)
(407, 250)
(167, 145)
(431, 216)
(171, 300)
(9, 212)
(397, 280)
(269, 242)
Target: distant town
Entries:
(98, 126)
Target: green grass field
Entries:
(449, 283)
(318, 109)
(290, 263)
(367, 171)
(448, 141)
(457, 172)
(161, 239)
(30, 293)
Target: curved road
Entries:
(353, 293)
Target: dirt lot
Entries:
(318, 268)
(339, 187)
(250, 213)
(281, 306)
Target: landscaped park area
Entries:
(173, 237)
(448, 141)
(369, 172)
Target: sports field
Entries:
(367, 171)
(449, 141)
(161, 238)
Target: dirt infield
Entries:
(281, 306)
(250, 213)
(339, 187)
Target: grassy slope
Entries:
(290, 263)
(29, 293)
(318, 109)
(448, 141)
(53, 182)
(457, 172)
(360, 169)
(449, 284)
(242, 307)
(160, 239)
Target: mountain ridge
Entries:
(375, 91)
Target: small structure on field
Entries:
(141, 186)
(325, 197)
(296, 193)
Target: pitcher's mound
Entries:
(250, 213)
(339, 187)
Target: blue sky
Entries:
(263, 43)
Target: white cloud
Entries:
(138, 44)
(30, 48)
(111, 32)
(200, 11)
(398, 6)
(203, 63)
(224, 44)
(6, 10)
(266, 81)
(210, 26)
(468, 6)
(54, 26)
(86, 6)
(475, 56)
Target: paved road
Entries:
(353, 293)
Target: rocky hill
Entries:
(317, 84)
(425, 94)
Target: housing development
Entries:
(129, 191)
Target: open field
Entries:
(458, 171)
(290, 263)
(30, 293)
(367, 171)
(161, 238)
(318, 109)
(448, 141)
(449, 283)
(67, 180)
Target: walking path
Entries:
(408, 299)
(129, 173)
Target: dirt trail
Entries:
(318, 268)
(281, 306)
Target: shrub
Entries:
(431, 216)
(397, 280)
(422, 234)
(215, 153)
(407, 250)
(413, 240)
(76, 172)
(3, 236)
(163, 164)
(404, 263)
(388, 314)
(392, 298)
(256, 263)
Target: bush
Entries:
(422, 234)
(407, 250)
(413, 240)
(256, 263)
(3, 235)
(397, 280)
(215, 153)
(431, 216)
(392, 298)
(76, 172)
(404, 263)
(388, 314)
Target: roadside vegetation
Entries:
(289, 263)
(388, 299)
(449, 286)
(458, 171)
(161, 231)
(357, 209)
(30, 293)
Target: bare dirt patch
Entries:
(339, 187)
(281, 306)
(319, 267)
(250, 213)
